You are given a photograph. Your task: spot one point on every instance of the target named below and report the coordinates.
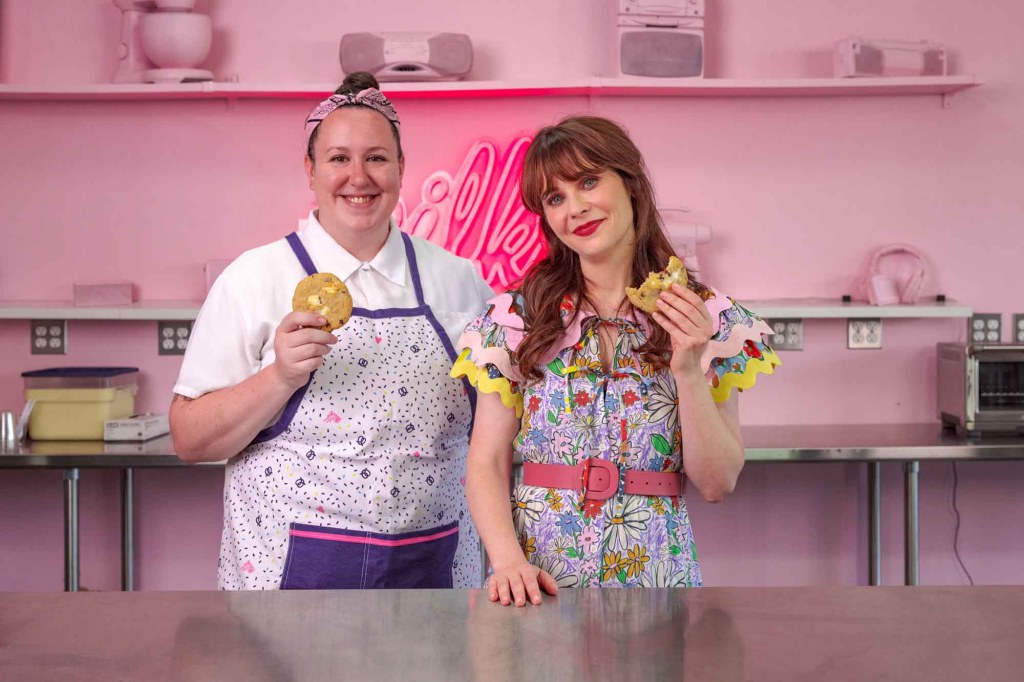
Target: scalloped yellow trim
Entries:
(477, 376)
(743, 381)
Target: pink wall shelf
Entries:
(600, 87)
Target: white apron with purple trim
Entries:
(360, 483)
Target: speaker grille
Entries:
(662, 53)
(361, 52)
(451, 53)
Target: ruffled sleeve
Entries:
(737, 352)
(486, 351)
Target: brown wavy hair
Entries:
(575, 147)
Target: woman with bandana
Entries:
(345, 450)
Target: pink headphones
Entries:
(885, 289)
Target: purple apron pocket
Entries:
(322, 558)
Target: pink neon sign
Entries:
(478, 214)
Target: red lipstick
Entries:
(587, 229)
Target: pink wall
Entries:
(798, 192)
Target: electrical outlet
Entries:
(172, 337)
(787, 334)
(986, 328)
(49, 337)
(1018, 328)
(861, 334)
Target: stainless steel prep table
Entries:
(802, 633)
(874, 444)
(871, 443)
(72, 456)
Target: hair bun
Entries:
(356, 82)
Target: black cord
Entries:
(956, 530)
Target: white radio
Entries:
(661, 38)
(860, 57)
(407, 56)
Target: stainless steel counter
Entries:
(799, 443)
(871, 444)
(847, 633)
(91, 454)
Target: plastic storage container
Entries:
(72, 403)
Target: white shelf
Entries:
(828, 308)
(802, 308)
(600, 87)
(66, 310)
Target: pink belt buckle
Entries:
(600, 486)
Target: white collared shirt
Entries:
(233, 336)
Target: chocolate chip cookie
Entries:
(324, 294)
(646, 295)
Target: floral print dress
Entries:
(628, 416)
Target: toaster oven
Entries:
(981, 387)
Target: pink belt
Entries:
(598, 479)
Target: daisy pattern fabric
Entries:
(628, 416)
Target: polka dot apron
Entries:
(360, 483)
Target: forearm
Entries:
(487, 492)
(712, 445)
(218, 425)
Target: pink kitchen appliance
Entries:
(162, 41)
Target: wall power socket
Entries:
(172, 337)
(986, 328)
(49, 337)
(787, 334)
(863, 334)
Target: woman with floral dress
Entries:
(605, 405)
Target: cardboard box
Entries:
(136, 428)
(104, 294)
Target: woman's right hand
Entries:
(519, 582)
(299, 347)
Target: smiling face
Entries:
(356, 174)
(592, 215)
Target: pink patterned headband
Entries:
(370, 97)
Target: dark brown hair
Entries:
(354, 83)
(575, 147)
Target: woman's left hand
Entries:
(684, 316)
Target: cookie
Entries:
(646, 295)
(324, 294)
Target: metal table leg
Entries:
(71, 530)
(874, 523)
(910, 497)
(127, 530)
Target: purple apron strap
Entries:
(301, 253)
(414, 270)
(292, 406)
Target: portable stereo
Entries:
(860, 57)
(661, 38)
(407, 56)
(885, 289)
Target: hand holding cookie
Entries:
(680, 311)
(321, 303)
(324, 294)
(645, 297)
